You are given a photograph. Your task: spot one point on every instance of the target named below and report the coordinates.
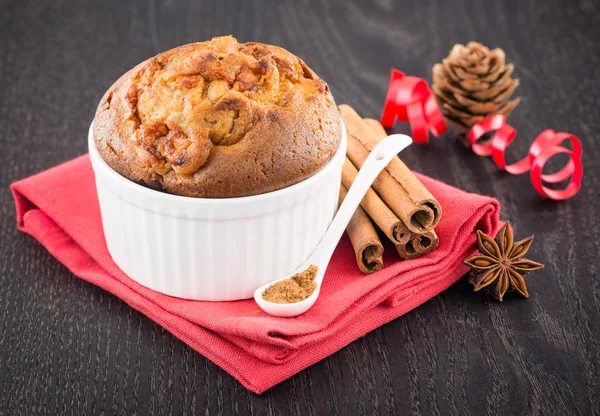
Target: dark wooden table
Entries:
(67, 347)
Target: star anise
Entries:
(501, 264)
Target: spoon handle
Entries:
(378, 159)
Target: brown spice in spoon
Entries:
(292, 290)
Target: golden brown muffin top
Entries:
(188, 120)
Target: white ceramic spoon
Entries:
(379, 158)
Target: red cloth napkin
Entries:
(60, 209)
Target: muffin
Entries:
(218, 119)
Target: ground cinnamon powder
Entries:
(296, 288)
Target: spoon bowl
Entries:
(288, 310)
(378, 159)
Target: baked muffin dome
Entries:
(218, 119)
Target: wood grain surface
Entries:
(67, 347)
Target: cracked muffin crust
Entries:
(218, 119)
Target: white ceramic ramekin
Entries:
(213, 249)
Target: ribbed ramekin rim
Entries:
(98, 162)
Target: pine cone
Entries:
(473, 83)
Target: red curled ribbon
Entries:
(410, 99)
(546, 145)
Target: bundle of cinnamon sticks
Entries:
(398, 203)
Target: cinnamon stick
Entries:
(407, 251)
(425, 243)
(423, 211)
(388, 188)
(379, 212)
(365, 241)
(418, 245)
